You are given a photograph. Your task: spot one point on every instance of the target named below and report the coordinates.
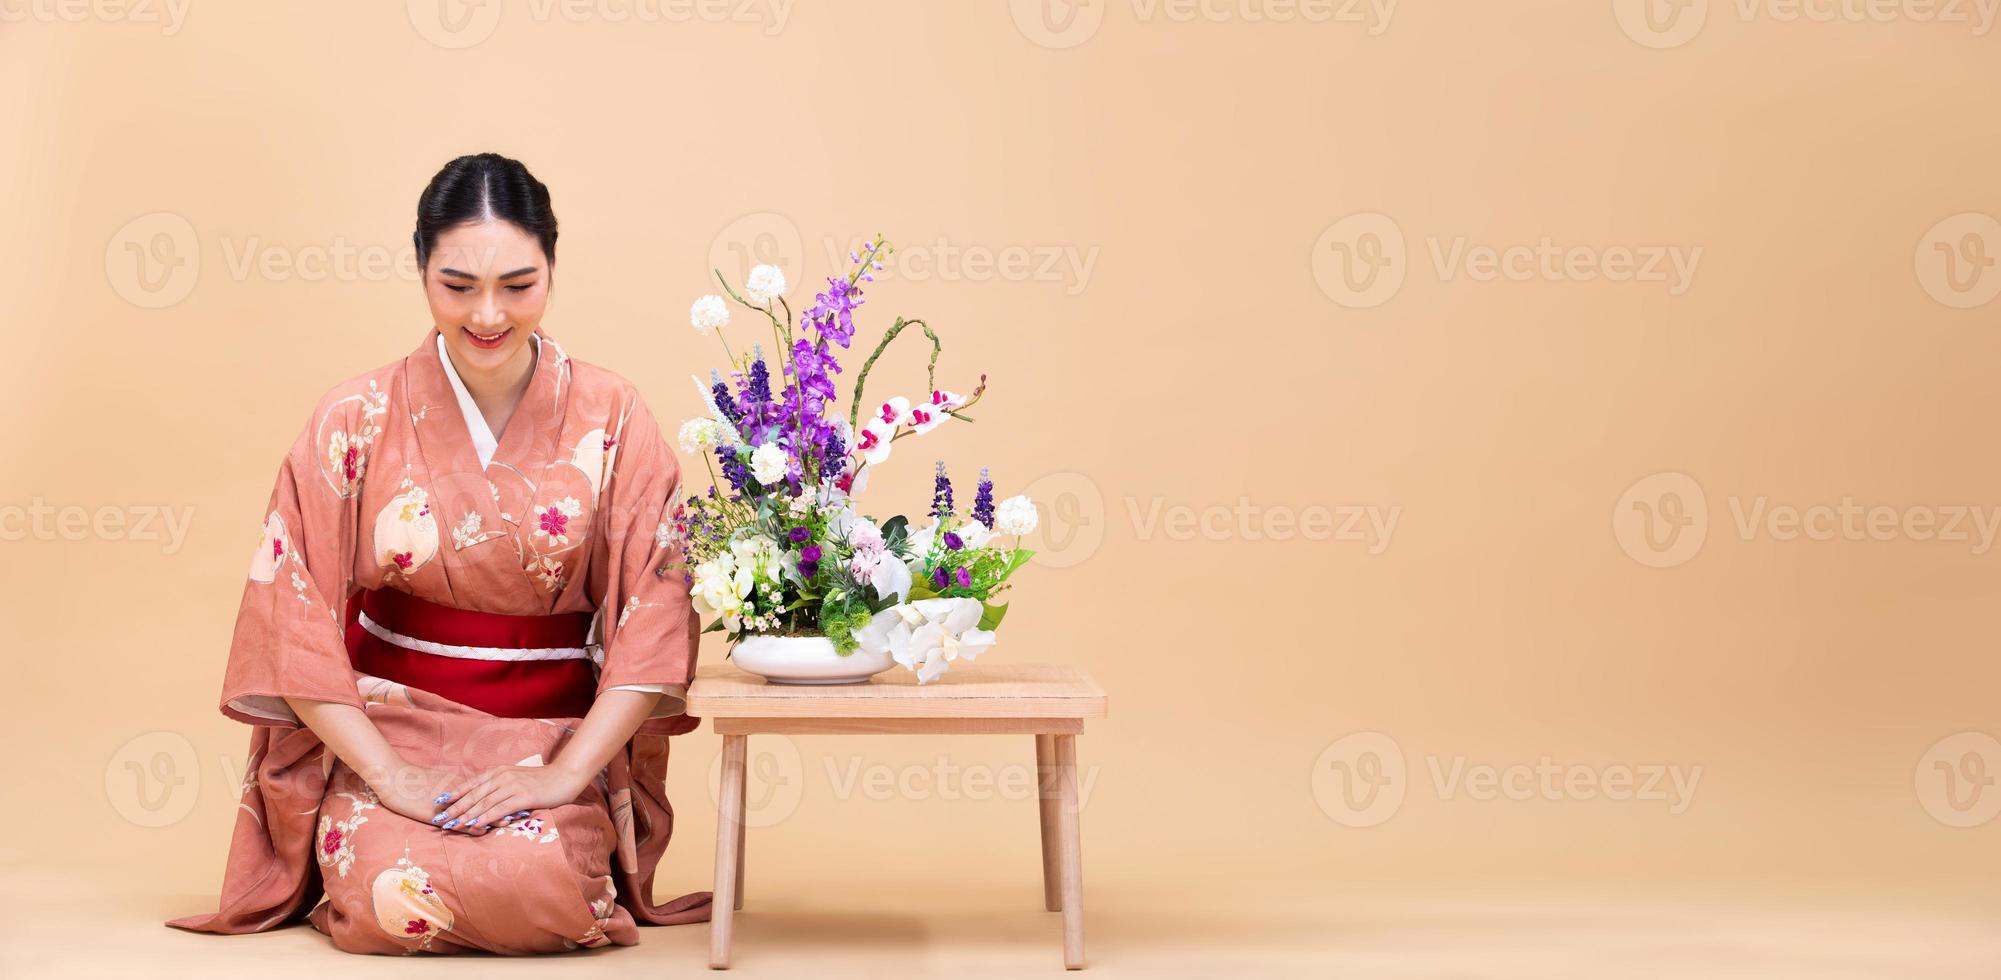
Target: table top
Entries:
(976, 690)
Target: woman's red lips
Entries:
(487, 341)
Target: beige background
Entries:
(1132, 220)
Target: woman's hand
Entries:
(413, 791)
(502, 793)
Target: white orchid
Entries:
(918, 544)
(758, 552)
(765, 283)
(924, 418)
(722, 586)
(873, 443)
(892, 412)
(928, 635)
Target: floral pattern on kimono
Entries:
(561, 516)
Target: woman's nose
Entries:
(487, 312)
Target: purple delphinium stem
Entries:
(983, 502)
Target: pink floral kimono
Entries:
(397, 491)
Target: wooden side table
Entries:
(1044, 700)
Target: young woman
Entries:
(464, 641)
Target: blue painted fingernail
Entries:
(449, 824)
(438, 818)
(443, 798)
(522, 813)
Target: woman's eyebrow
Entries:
(524, 271)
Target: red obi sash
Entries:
(508, 666)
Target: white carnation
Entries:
(766, 283)
(709, 314)
(767, 464)
(698, 436)
(1015, 515)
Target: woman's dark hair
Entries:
(480, 187)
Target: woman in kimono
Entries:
(465, 639)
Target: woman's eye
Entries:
(520, 287)
(458, 289)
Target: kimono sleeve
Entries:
(646, 619)
(289, 631)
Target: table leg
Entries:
(729, 827)
(743, 788)
(1046, 801)
(1072, 871)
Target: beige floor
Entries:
(84, 924)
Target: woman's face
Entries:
(487, 283)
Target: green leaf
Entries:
(714, 627)
(1021, 557)
(991, 617)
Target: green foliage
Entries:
(841, 614)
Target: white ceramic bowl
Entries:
(806, 660)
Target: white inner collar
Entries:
(483, 441)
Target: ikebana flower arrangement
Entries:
(808, 588)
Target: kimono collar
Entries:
(483, 441)
(435, 386)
